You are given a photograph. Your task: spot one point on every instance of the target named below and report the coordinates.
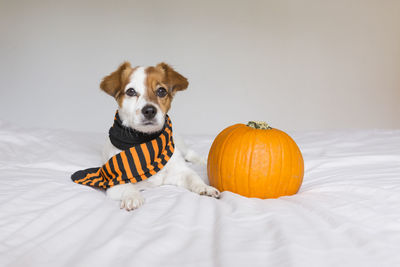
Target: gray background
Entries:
(297, 64)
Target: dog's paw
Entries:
(131, 201)
(206, 190)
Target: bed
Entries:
(347, 212)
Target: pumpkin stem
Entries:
(259, 125)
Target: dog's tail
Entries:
(188, 154)
(195, 158)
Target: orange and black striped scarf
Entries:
(135, 163)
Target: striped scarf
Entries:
(133, 164)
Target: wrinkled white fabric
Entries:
(347, 212)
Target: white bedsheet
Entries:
(347, 212)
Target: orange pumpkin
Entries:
(255, 160)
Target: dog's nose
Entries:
(149, 111)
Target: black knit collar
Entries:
(123, 137)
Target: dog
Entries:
(144, 96)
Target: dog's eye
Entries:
(161, 92)
(131, 92)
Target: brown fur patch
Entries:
(114, 83)
(165, 76)
(161, 75)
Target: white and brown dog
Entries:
(144, 96)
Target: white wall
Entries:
(296, 64)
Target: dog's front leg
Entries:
(195, 184)
(128, 194)
(189, 179)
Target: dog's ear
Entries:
(175, 81)
(112, 83)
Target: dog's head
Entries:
(144, 94)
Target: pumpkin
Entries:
(255, 160)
